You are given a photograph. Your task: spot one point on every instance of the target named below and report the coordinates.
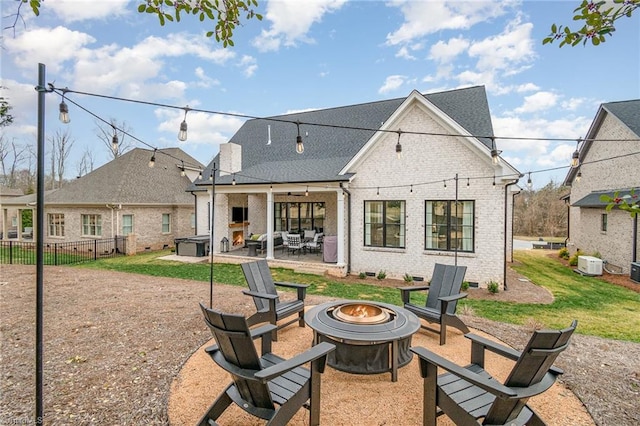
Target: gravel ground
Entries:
(114, 343)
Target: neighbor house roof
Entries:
(593, 198)
(129, 180)
(336, 136)
(625, 111)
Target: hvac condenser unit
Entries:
(590, 265)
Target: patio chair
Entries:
(467, 394)
(285, 240)
(309, 234)
(269, 307)
(265, 386)
(442, 298)
(295, 244)
(314, 245)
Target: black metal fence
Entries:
(24, 252)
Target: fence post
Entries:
(10, 252)
(55, 254)
(95, 249)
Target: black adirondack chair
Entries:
(442, 299)
(470, 396)
(266, 386)
(265, 296)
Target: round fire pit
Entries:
(370, 337)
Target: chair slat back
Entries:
(445, 281)
(295, 241)
(259, 279)
(309, 233)
(233, 337)
(532, 366)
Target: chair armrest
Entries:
(291, 285)
(483, 382)
(494, 347)
(405, 292)
(480, 343)
(260, 295)
(315, 352)
(453, 297)
(302, 288)
(255, 333)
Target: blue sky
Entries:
(316, 54)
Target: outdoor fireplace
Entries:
(238, 238)
(370, 337)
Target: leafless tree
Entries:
(106, 132)
(61, 143)
(12, 158)
(541, 212)
(85, 165)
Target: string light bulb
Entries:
(579, 176)
(445, 183)
(575, 158)
(529, 183)
(64, 110)
(467, 182)
(495, 154)
(233, 180)
(114, 141)
(183, 173)
(399, 146)
(299, 144)
(306, 193)
(152, 161)
(182, 134)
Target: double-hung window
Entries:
(166, 223)
(56, 224)
(449, 226)
(127, 224)
(91, 225)
(384, 224)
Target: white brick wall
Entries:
(428, 160)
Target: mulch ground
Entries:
(115, 343)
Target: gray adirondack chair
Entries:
(442, 298)
(265, 296)
(470, 396)
(266, 386)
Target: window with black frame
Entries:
(449, 226)
(298, 216)
(384, 224)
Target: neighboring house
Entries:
(124, 196)
(609, 162)
(387, 213)
(9, 219)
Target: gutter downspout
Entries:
(634, 249)
(346, 191)
(506, 210)
(195, 209)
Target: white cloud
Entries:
(204, 80)
(512, 48)
(249, 65)
(392, 83)
(80, 10)
(538, 102)
(527, 87)
(573, 103)
(427, 17)
(51, 46)
(291, 21)
(445, 52)
(404, 53)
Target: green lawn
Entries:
(602, 309)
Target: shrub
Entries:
(563, 253)
(382, 275)
(466, 309)
(408, 278)
(362, 275)
(464, 286)
(597, 254)
(493, 287)
(533, 324)
(573, 260)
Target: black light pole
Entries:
(42, 91)
(212, 225)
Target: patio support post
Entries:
(269, 225)
(340, 225)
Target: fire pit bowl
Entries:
(361, 313)
(370, 337)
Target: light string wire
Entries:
(197, 167)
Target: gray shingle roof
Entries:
(330, 147)
(129, 180)
(593, 198)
